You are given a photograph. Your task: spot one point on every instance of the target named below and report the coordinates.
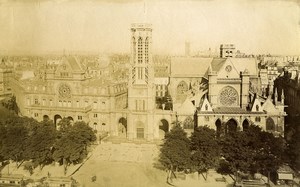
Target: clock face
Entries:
(64, 90)
(228, 68)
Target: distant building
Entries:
(187, 48)
(5, 78)
(227, 50)
(288, 86)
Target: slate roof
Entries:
(230, 110)
(245, 63)
(189, 66)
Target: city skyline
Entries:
(255, 27)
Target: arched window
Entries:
(270, 125)
(140, 50)
(146, 50)
(182, 87)
(188, 123)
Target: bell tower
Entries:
(141, 95)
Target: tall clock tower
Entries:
(141, 95)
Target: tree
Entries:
(2, 137)
(13, 142)
(175, 151)
(270, 155)
(64, 125)
(294, 150)
(84, 133)
(235, 152)
(11, 104)
(205, 149)
(40, 143)
(253, 150)
(71, 146)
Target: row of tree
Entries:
(249, 151)
(25, 139)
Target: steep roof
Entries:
(191, 66)
(217, 64)
(245, 63)
(269, 107)
(187, 107)
(74, 63)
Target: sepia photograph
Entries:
(150, 93)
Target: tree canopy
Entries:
(25, 139)
(175, 152)
(205, 152)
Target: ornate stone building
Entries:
(5, 76)
(66, 91)
(223, 94)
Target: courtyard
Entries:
(130, 164)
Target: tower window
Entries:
(140, 51)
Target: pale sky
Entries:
(103, 26)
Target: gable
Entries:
(187, 107)
(256, 106)
(228, 71)
(269, 107)
(206, 106)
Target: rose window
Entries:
(64, 91)
(228, 96)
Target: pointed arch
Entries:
(245, 124)
(181, 90)
(46, 118)
(270, 124)
(122, 127)
(188, 123)
(218, 124)
(231, 126)
(147, 50)
(163, 128)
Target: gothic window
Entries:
(182, 87)
(140, 51)
(134, 46)
(228, 96)
(146, 50)
(270, 125)
(188, 123)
